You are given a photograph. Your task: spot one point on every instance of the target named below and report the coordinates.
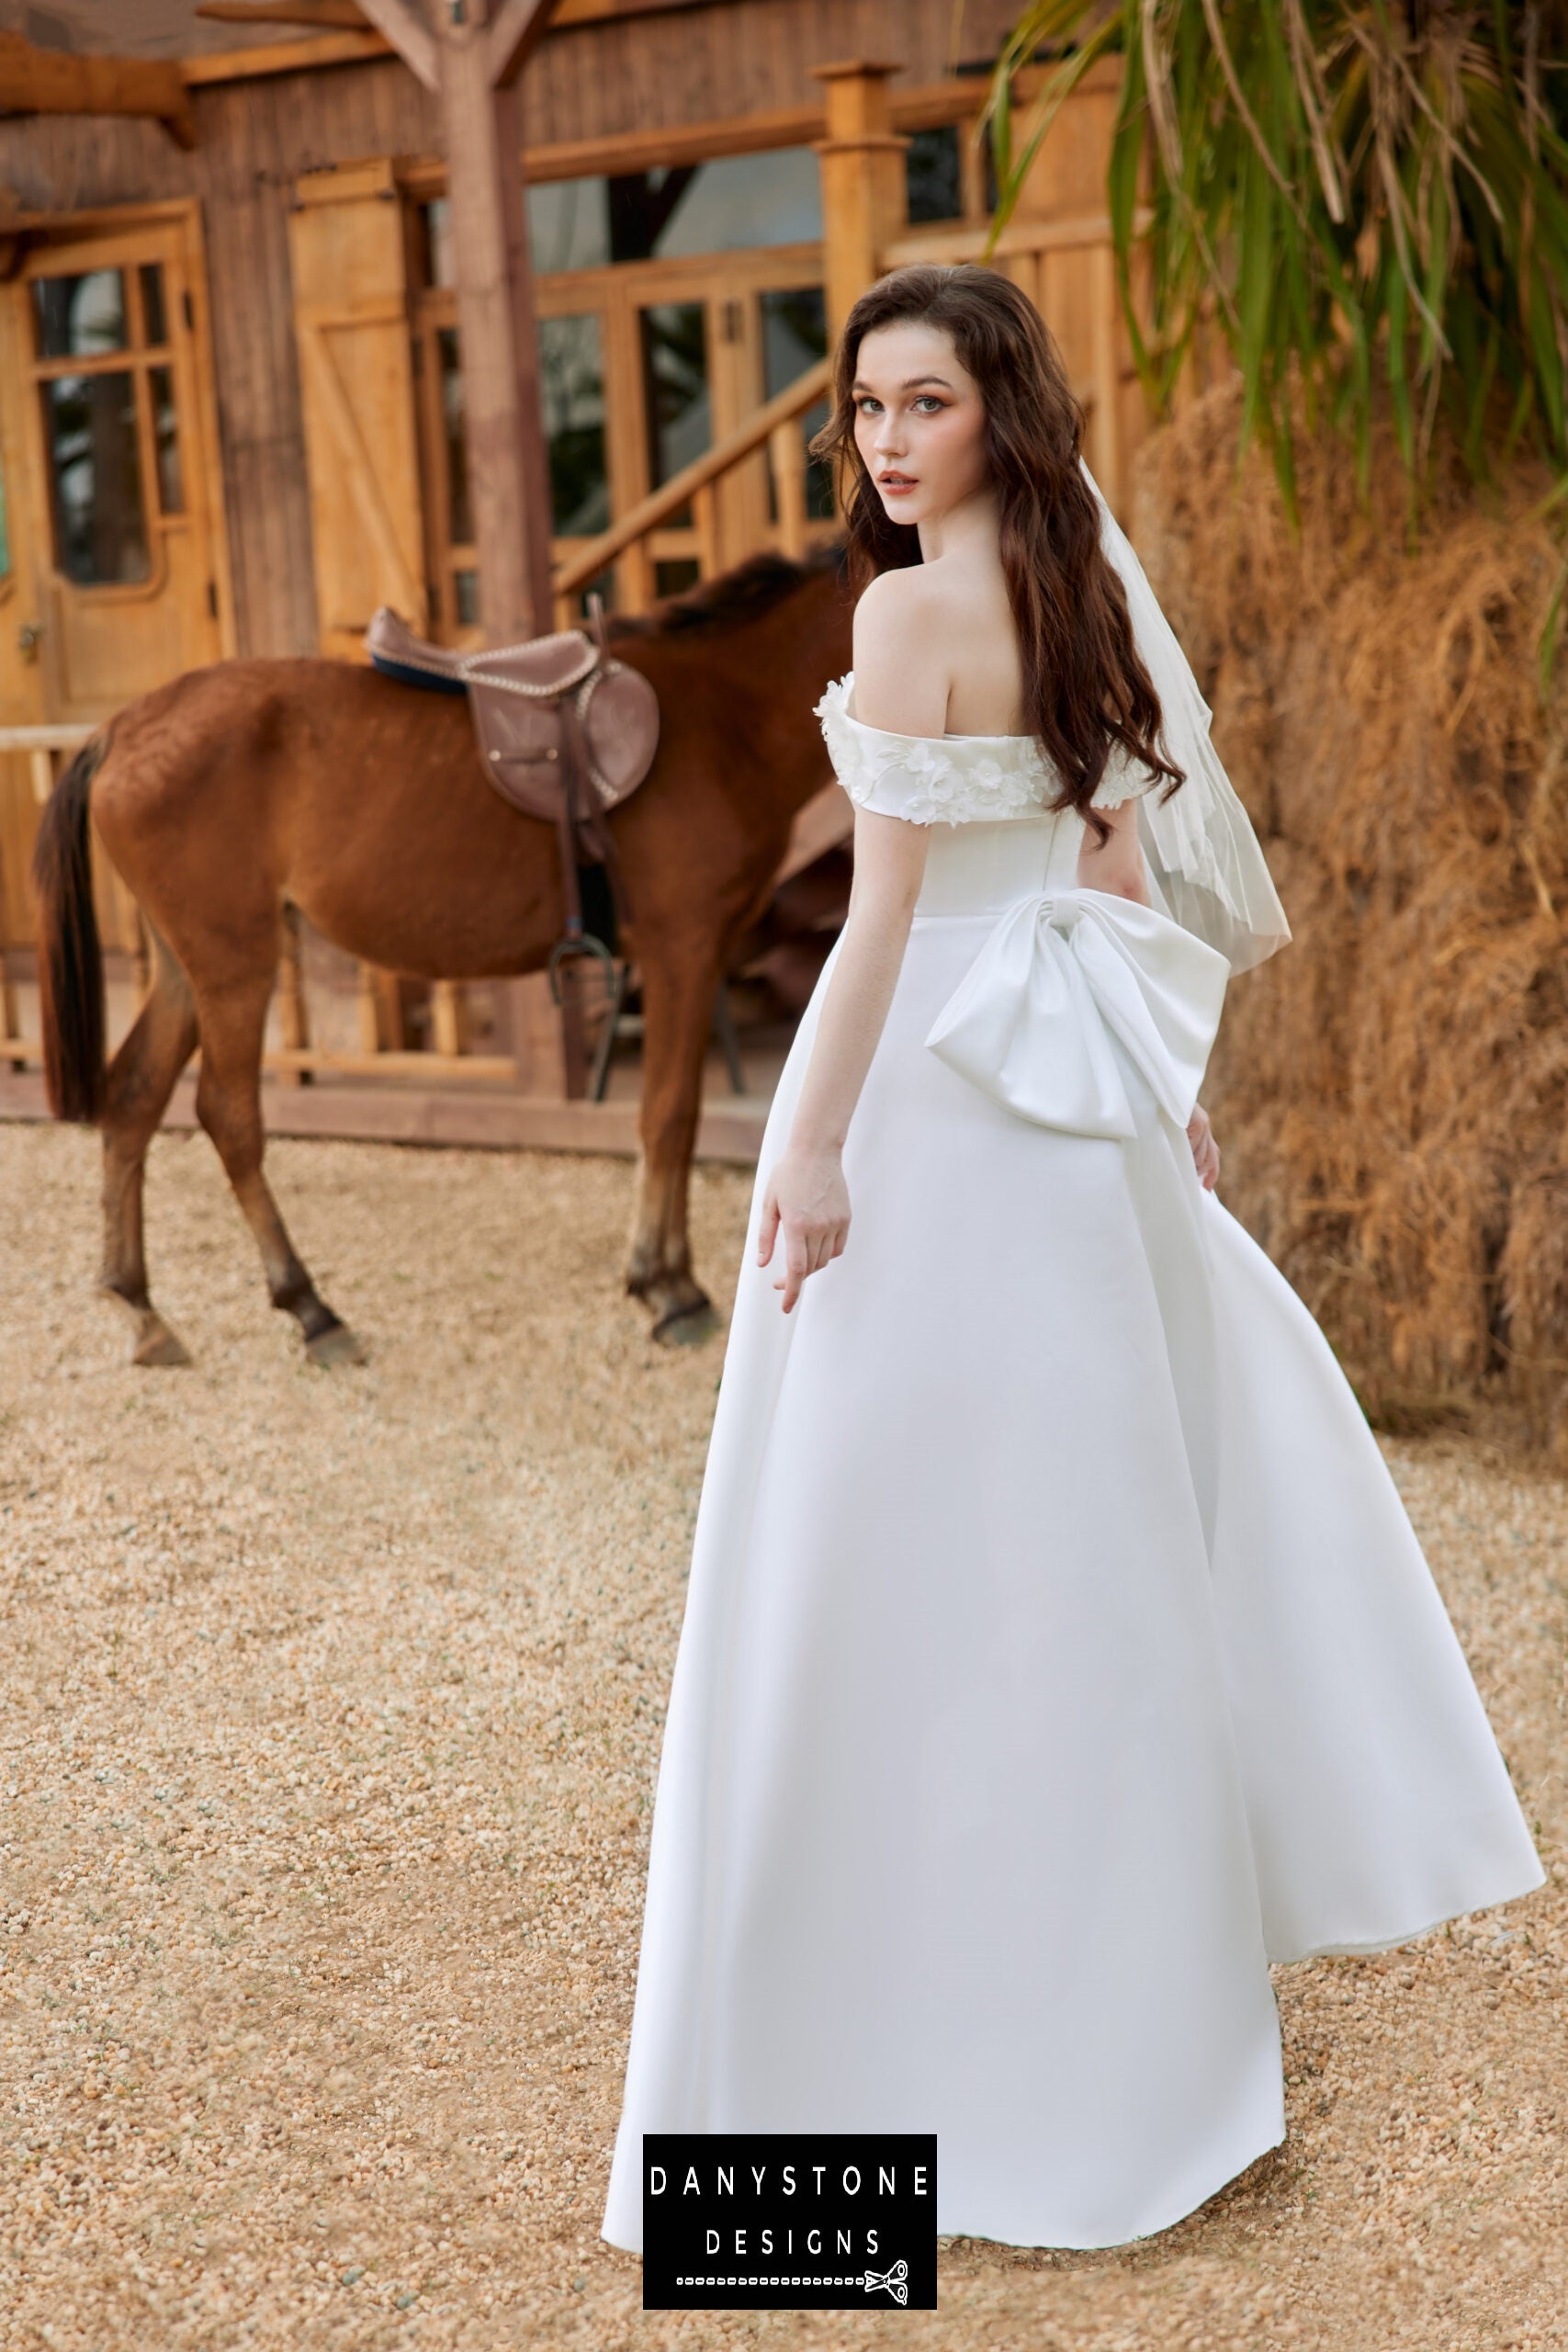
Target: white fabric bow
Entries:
(1063, 978)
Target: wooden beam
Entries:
(513, 52)
(950, 241)
(52, 81)
(515, 30)
(346, 13)
(409, 32)
(729, 1127)
(308, 56)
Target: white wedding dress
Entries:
(1057, 1652)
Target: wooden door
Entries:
(352, 325)
(119, 464)
(113, 575)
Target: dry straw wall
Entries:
(1390, 1089)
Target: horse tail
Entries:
(71, 962)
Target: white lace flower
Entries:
(928, 779)
(1124, 776)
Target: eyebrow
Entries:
(909, 383)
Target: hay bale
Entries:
(1390, 1091)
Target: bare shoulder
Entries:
(901, 671)
(909, 598)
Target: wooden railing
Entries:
(40, 743)
(777, 424)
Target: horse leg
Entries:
(227, 1103)
(137, 1087)
(679, 982)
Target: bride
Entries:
(1057, 1653)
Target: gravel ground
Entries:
(326, 1756)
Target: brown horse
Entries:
(364, 802)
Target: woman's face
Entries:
(920, 423)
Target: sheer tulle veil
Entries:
(1205, 857)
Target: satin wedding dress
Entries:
(1057, 1652)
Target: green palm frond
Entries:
(1370, 197)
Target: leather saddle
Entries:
(565, 732)
(525, 699)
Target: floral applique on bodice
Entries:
(947, 779)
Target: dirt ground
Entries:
(327, 1746)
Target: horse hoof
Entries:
(686, 1326)
(335, 1345)
(156, 1347)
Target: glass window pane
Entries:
(675, 386)
(932, 179)
(80, 315)
(571, 387)
(795, 334)
(677, 572)
(773, 199)
(459, 514)
(171, 490)
(466, 587)
(153, 317)
(569, 224)
(436, 239)
(89, 423)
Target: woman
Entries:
(1057, 1653)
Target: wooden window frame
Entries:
(615, 292)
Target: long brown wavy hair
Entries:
(1084, 685)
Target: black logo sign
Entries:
(789, 2220)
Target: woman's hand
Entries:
(808, 1196)
(1205, 1150)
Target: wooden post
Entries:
(788, 453)
(293, 1015)
(10, 1027)
(508, 472)
(447, 1022)
(532, 1027)
(368, 1009)
(865, 202)
(472, 63)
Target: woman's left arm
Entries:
(1116, 863)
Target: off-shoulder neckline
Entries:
(845, 686)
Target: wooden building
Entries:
(233, 417)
